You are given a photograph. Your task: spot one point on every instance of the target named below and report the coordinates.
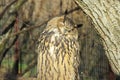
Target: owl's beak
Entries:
(78, 25)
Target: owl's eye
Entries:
(78, 25)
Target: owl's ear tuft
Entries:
(66, 12)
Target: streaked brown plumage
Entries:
(58, 51)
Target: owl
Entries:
(58, 51)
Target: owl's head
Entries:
(63, 26)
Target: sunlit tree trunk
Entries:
(105, 15)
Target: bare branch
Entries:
(33, 27)
(6, 8)
(6, 50)
(6, 29)
(31, 65)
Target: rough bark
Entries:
(105, 15)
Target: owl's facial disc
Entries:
(65, 26)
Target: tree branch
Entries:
(6, 50)
(6, 8)
(33, 27)
(31, 65)
(2, 55)
(6, 29)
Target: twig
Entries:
(6, 50)
(34, 62)
(6, 8)
(72, 10)
(6, 29)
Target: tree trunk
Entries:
(105, 15)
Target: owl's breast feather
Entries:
(52, 46)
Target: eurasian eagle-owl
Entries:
(58, 51)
